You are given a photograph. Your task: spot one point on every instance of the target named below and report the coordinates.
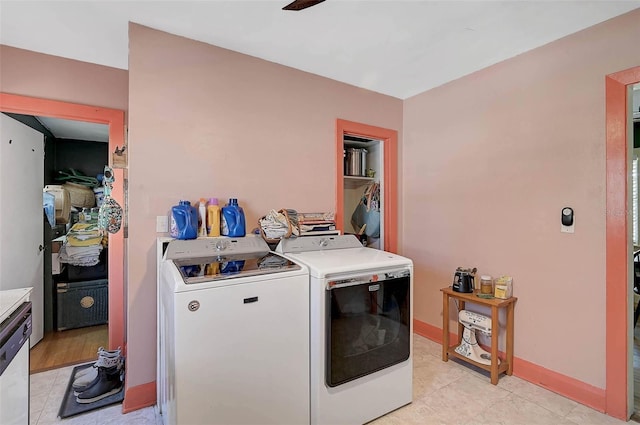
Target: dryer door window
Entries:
(367, 328)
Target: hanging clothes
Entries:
(366, 217)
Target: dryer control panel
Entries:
(317, 243)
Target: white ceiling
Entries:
(399, 47)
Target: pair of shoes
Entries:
(107, 382)
(87, 376)
(101, 353)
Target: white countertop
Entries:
(11, 299)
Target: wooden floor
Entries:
(65, 348)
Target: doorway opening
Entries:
(619, 298)
(360, 136)
(364, 185)
(75, 288)
(114, 119)
(634, 187)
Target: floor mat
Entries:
(71, 407)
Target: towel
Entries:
(80, 255)
(82, 246)
(84, 234)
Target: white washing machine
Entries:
(233, 337)
(361, 328)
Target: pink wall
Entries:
(487, 163)
(206, 121)
(490, 160)
(34, 74)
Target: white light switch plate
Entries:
(568, 229)
(162, 224)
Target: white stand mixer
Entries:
(469, 346)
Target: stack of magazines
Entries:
(317, 224)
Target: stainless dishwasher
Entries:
(15, 331)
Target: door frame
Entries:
(618, 291)
(390, 187)
(114, 118)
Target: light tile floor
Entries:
(452, 393)
(47, 391)
(443, 393)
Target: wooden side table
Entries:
(495, 303)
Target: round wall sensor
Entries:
(567, 216)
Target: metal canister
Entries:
(356, 162)
(363, 162)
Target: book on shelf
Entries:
(315, 216)
(320, 233)
(311, 222)
(314, 227)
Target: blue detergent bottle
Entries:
(232, 220)
(184, 221)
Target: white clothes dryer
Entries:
(233, 337)
(361, 328)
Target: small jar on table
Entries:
(486, 285)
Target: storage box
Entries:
(503, 287)
(79, 273)
(80, 196)
(81, 304)
(62, 202)
(56, 266)
(99, 271)
(56, 244)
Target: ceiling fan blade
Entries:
(301, 4)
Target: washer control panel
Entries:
(207, 247)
